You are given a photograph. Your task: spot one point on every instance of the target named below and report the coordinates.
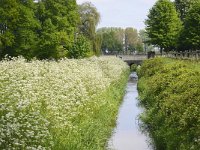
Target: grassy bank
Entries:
(64, 105)
(169, 90)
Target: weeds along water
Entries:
(169, 91)
(63, 105)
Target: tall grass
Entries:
(64, 105)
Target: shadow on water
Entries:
(127, 135)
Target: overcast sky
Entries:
(122, 13)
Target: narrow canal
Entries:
(126, 135)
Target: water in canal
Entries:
(126, 135)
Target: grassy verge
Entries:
(63, 105)
(169, 90)
(95, 122)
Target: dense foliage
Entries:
(163, 25)
(90, 18)
(47, 28)
(112, 39)
(59, 105)
(182, 7)
(145, 38)
(81, 48)
(132, 40)
(18, 27)
(190, 36)
(168, 31)
(118, 40)
(170, 92)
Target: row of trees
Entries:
(118, 40)
(174, 25)
(48, 29)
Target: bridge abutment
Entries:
(133, 59)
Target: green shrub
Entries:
(150, 67)
(170, 92)
(134, 67)
(81, 49)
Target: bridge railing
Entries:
(132, 57)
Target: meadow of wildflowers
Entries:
(65, 104)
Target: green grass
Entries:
(94, 129)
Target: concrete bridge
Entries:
(133, 59)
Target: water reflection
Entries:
(127, 135)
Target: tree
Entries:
(191, 32)
(182, 7)
(82, 48)
(112, 39)
(144, 39)
(132, 41)
(97, 45)
(139, 46)
(117, 40)
(163, 25)
(90, 18)
(108, 42)
(26, 41)
(18, 27)
(43, 28)
(8, 22)
(59, 20)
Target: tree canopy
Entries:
(90, 18)
(131, 38)
(118, 40)
(165, 29)
(9, 11)
(59, 20)
(163, 25)
(112, 39)
(48, 28)
(143, 36)
(182, 7)
(191, 33)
